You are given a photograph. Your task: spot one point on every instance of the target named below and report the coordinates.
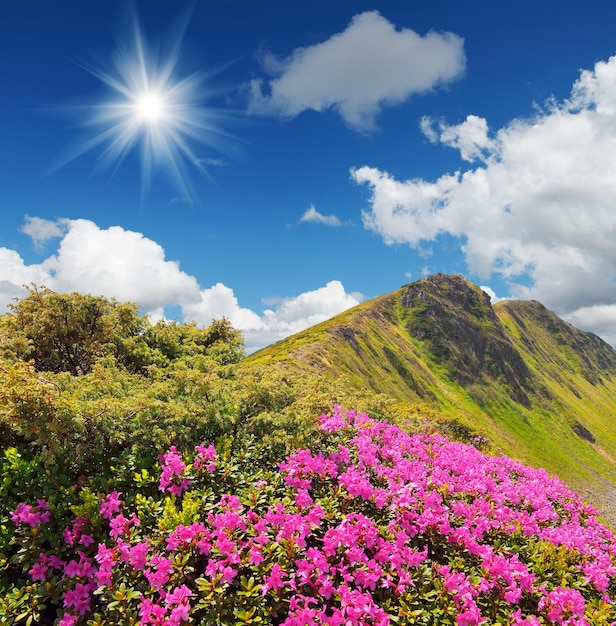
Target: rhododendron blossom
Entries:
(110, 505)
(377, 526)
(564, 606)
(205, 458)
(172, 477)
(31, 515)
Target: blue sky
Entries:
(278, 162)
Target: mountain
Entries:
(537, 388)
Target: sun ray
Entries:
(150, 106)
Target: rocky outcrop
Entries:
(456, 321)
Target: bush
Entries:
(370, 526)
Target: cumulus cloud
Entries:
(535, 207)
(312, 215)
(300, 312)
(290, 316)
(220, 301)
(470, 137)
(118, 263)
(14, 274)
(601, 318)
(358, 71)
(126, 265)
(41, 231)
(493, 297)
(312, 307)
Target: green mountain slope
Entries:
(536, 387)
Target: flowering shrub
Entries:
(371, 526)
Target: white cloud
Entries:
(312, 307)
(305, 310)
(290, 316)
(128, 266)
(358, 71)
(537, 207)
(14, 274)
(118, 263)
(493, 297)
(220, 301)
(600, 319)
(312, 215)
(41, 231)
(470, 137)
(490, 292)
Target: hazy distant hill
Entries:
(538, 388)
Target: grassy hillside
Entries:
(536, 387)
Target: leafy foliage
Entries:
(83, 378)
(67, 333)
(142, 387)
(370, 526)
(71, 332)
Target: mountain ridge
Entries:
(538, 388)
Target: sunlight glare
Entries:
(149, 106)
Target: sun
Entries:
(149, 108)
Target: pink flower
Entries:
(80, 569)
(564, 606)
(39, 570)
(256, 555)
(519, 620)
(104, 577)
(105, 556)
(78, 598)
(205, 458)
(158, 571)
(139, 555)
(152, 613)
(110, 504)
(179, 614)
(171, 477)
(356, 483)
(178, 595)
(56, 562)
(300, 613)
(72, 569)
(301, 466)
(177, 600)
(436, 502)
(302, 499)
(74, 532)
(470, 616)
(274, 580)
(230, 503)
(31, 515)
(120, 525)
(598, 573)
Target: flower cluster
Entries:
(205, 459)
(172, 477)
(31, 515)
(377, 526)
